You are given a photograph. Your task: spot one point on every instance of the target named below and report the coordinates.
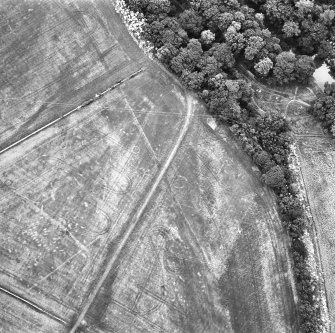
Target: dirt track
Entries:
(138, 215)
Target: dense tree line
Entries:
(324, 108)
(267, 140)
(202, 42)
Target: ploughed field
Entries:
(136, 206)
(211, 256)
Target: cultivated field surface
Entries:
(134, 213)
(202, 261)
(66, 192)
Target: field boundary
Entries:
(32, 305)
(84, 104)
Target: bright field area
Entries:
(210, 255)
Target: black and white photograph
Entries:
(167, 166)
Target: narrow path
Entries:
(138, 215)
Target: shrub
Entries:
(275, 177)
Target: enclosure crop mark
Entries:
(138, 215)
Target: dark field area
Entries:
(208, 253)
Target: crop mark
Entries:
(183, 180)
(140, 128)
(121, 173)
(163, 301)
(207, 262)
(139, 295)
(158, 257)
(66, 141)
(60, 161)
(58, 164)
(58, 224)
(35, 285)
(206, 166)
(108, 223)
(118, 69)
(138, 316)
(116, 188)
(85, 103)
(137, 216)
